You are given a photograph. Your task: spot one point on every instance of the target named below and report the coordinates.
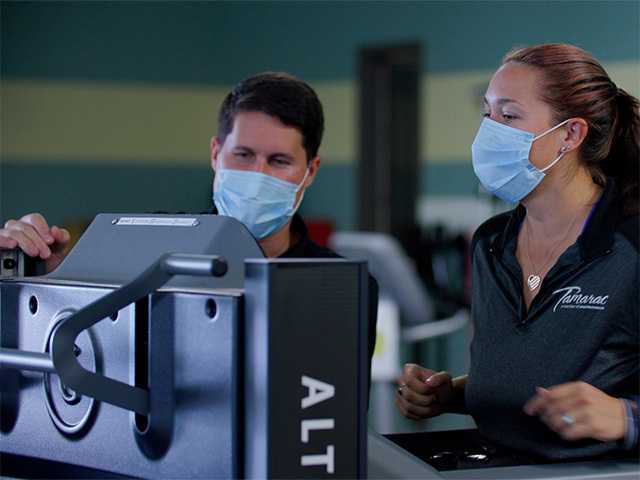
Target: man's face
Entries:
(261, 143)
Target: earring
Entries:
(564, 148)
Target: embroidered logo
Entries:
(572, 297)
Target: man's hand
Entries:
(34, 237)
(578, 410)
(423, 393)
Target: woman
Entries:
(555, 354)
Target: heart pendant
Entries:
(533, 281)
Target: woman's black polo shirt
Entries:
(582, 326)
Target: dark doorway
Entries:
(389, 142)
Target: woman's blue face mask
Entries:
(264, 204)
(500, 156)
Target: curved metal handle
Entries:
(436, 328)
(65, 363)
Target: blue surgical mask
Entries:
(264, 204)
(500, 157)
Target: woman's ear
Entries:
(577, 129)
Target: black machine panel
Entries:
(313, 369)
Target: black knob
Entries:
(9, 264)
(219, 267)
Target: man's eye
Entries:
(241, 155)
(281, 161)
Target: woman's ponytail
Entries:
(623, 161)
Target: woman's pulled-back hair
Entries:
(576, 86)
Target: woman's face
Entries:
(513, 99)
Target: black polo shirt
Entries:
(582, 326)
(304, 247)
(307, 248)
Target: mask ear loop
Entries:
(562, 150)
(550, 130)
(220, 163)
(304, 179)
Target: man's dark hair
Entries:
(279, 95)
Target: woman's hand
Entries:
(423, 393)
(578, 410)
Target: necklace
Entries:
(535, 279)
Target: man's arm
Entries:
(36, 239)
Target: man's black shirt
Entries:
(304, 247)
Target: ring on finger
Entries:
(568, 420)
(402, 385)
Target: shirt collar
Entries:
(300, 236)
(596, 237)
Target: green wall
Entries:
(219, 42)
(110, 105)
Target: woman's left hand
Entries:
(578, 410)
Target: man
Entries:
(265, 156)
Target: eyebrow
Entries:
(271, 155)
(242, 147)
(281, 155)
(502, 101)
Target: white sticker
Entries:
(158, 221)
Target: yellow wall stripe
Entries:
(84, 122)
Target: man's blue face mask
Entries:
(500, 156)
(264, 204)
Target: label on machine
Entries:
(157, 221)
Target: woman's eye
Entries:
(508, 117)
(486, 114)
